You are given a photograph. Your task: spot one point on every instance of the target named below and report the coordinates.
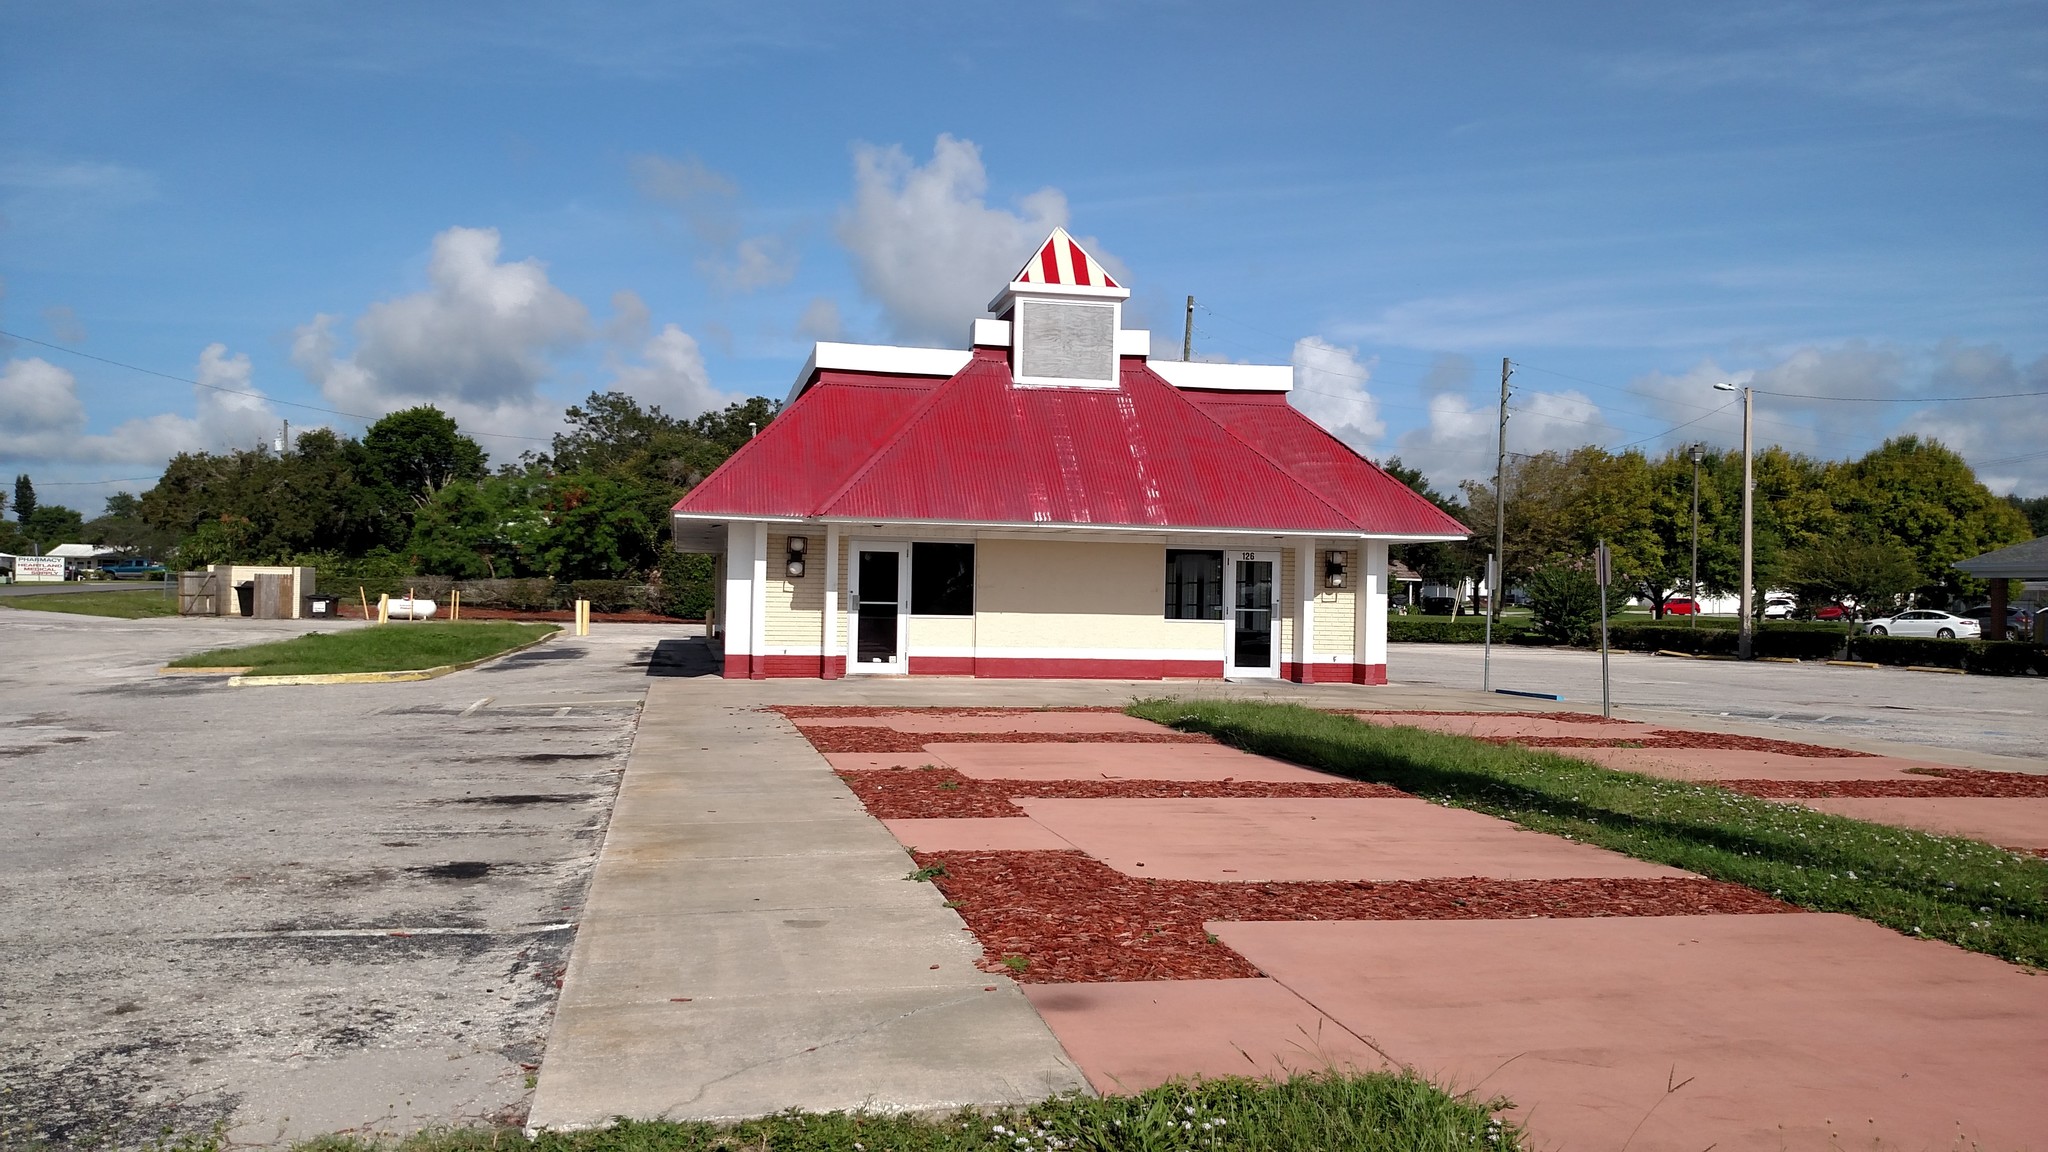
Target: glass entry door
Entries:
(878, 610)
(1254, 641)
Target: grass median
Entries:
(136, 604)
(383, 648)
(1969, 893)
(1373, 1112)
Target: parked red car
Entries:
(1833, 612)
(1681, 606)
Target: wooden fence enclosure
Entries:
(199, 594)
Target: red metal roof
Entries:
(1357, 486)
(977, 449)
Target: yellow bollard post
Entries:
(583, 617)
(384, 608)
(455, 604)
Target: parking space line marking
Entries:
(353, 933)
(570, 703)
(481, 704)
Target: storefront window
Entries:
(942, 579)
(1194, 585)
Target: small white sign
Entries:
(39, 569)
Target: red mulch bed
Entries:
(1939, 782)
(942, 793)
(864, 711)
(1679, 738)
(1075, 919)
(1568, 717)
(870, 738)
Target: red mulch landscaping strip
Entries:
(814, 711)
(1568, 717)
(870, 738)
(1072, 918)
(1939, 782)
(942, 793)
(1678, 738)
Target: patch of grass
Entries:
(929, 872)
(384, 648)
(138, 604)
(1969, 893)
(1376, 1112)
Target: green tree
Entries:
(1452, 562)
(2035, 509)
(24, 498)
(479, 529)
(419, 451)
(595, 528)
(1565, 602)
(1924, 497)
(52, 524)
(1874, 575)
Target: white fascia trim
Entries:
(1017, 288)
(729, 517)
(1134, 342)
(886, 359)
(988, 653)
(986, 333)
(1225, 377)
(906, 527)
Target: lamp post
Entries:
(1746, 637)
(1697, 451)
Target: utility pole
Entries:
(1500, 531)
(1187, 334)
(1696, 451)
(1745, 638)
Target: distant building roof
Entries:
(2023, 561)
(82, 551)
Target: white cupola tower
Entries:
(1065, 311)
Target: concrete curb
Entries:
(1930, 668)
(398, 677)
(1852, 664)
(226, 670)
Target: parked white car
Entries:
(1926, 622)
(1778, 609)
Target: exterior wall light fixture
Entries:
(1333, 570)
(795, 562)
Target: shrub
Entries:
(1446, 630)
(1801, 641)
(531, 595)
(1566, 604)
(1672, 638)
(608, 595)
(1994, 657)
(683, 587)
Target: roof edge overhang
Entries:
(878, 360)
(1066, 526)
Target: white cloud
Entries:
(64, 324)
(630, 317)
(1461, 442)
(708, 203)
(476, 343)
(43, 420)
(2006, 441)
(928, 248)
(671, 374)
(1330, 388)
(821, 320)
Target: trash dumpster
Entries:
(245, 598)
(323, 607)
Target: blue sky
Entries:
(501, 207)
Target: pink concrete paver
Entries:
(2013, 822)
(1081, 724)
(1132, 1035)
(976, 834)
(1119, 762)
(1708, 764)
(1796, 1032)
(1256, 839)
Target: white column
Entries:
(739, 619)
(1372, 606)
(1305, 618)
(758, 644)
(831, 648)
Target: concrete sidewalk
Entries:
(750, 944)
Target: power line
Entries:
(237, 391)
(1898, 399)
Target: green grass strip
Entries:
(1374, 1112)
(397, 647)
(138, 604)
(1949, 888)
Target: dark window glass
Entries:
(942, 579)
(1194, 585)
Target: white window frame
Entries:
(1231, 557)
(901, 665)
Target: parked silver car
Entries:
(1926, 622)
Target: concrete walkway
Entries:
(750, 944)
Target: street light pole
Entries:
(1695, 586)
(1746, 638)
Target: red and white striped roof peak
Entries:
(1062, 260)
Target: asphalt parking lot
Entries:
(2000, 715)
(287, 911)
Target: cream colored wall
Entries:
(1336, 609)
(796, 608)
(1286, 601)
(953, 633)
(1059, 594)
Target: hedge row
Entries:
(1990, 657)
(534, 594)
(1449, 630)
(1798, 641)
